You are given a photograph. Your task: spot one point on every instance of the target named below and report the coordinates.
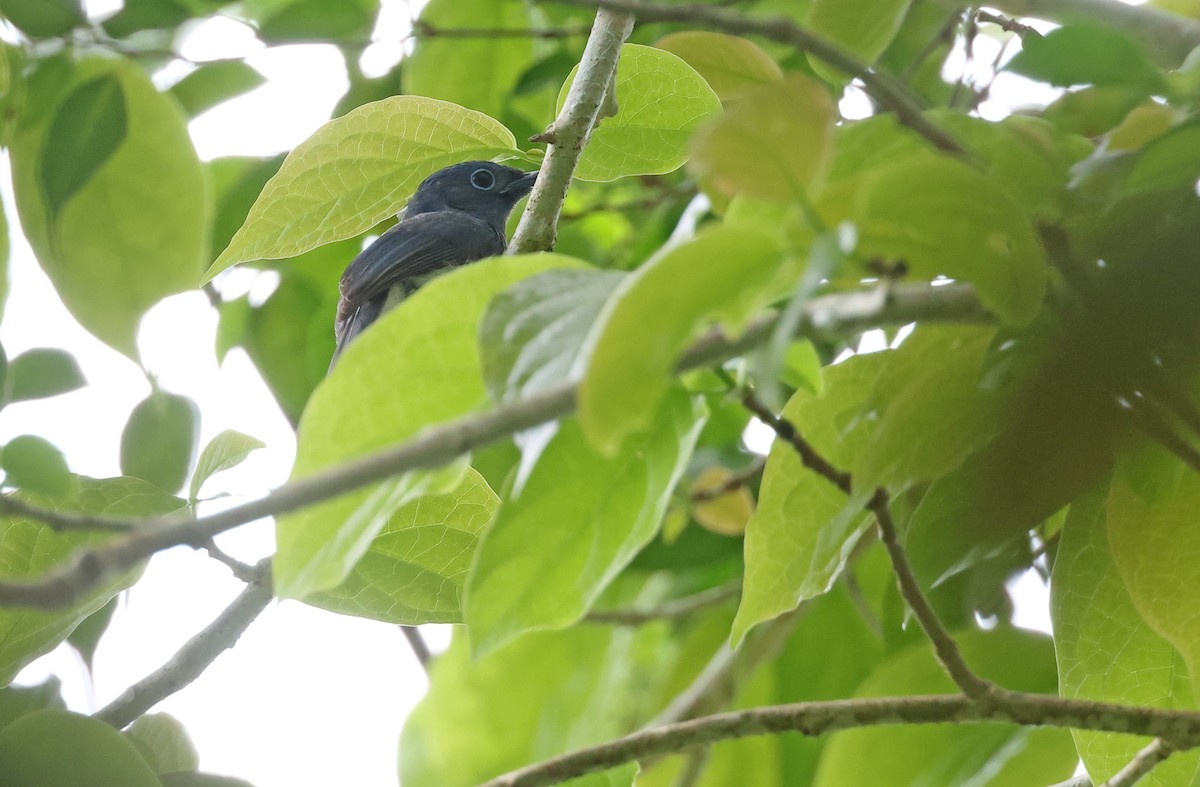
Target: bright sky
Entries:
(306, 697)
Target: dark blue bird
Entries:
(456, 216)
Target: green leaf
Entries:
(1155, 547)
(359, 409)
(1087, 54)
(28, 549)
(137, 230)
(661, 100)
(146, 15)
(86, 636)
(228, 449)
(237, 182)
(992, 755)
(943, 217)
(33, 463)
(479, 73)
(774, 142)
(1094, 110)
(44, 18)
(727, 63)
(159, 441)
(804, 527)
(163, 743)
(357, 170)
(18, 701)
(578, 520)
(483, 717)
(724, 276)
(42, 372)
(88, 128)
(213, 83)
(1168, 162)
(931, 410)
(862, 28)
(192, 779)
(1106, 651)
(54, 748)
(319, 20)
(415, 569)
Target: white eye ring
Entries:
(483, 179)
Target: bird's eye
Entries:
(483, 179)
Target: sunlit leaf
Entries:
(728, 64)
(228, 449)
(862, 28)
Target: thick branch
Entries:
(437, 445)
(817, 718)
(888, 91)
(1145, 761)
(583, 108)
(194, 657)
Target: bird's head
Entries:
(481, 188)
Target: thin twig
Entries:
(436, 445)
(422, 29)
(1182, 728)
(735, 481)
(242, 571)
(1075, 781)
(677, 608)
(194, 657)
(1143, 762)
(1005, 23)
(61, 521)
(418, 646)
(889, 92)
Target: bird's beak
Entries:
(521, 186)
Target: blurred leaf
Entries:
(358, 409)
(42, 372)
(29, 549)
(163, 743)
(193, 779)
(237, 183)
(727, 63)
(54, 748)
(722, 276)
(44, 18)
(578, 521)
(804, 527)
(1086, 54)
(228, 449)
(478, 73)
(320, 21)
(88, 128)
(212, 83)
(415, 569)
(726, 513)
(943, 217)
(1106, 651)
(1093, 110)
(159, 441)
(1169, 162)
(802, 366)
(35, 464)
(862, 28)
(357, 170)
(139, 15)
(86, 636)
(661, 100)
(18, 701)
(994, 755)
(137, 230)
(773, 142)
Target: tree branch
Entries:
(676, 608)
(60, 521)
(884, 88)
(194, 657)
(418, 646)
(1182, 728)
(422, 29)
(1143, 762)
(586, 102)
(437, 445)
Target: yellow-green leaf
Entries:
(728, 63)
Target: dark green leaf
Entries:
(33, 463)
(1087, 54)
(319, 20)
(237, 183)
(159, 441)
(228, 449)
(43, 18)
(212, 83)
(146, 15)
(163, 743)
(89, 126)
(1171, 161)
(86, 635)
(18, 701)
(54, 748)
(192, 779)
(42, 372)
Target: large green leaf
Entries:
(159, 441)
(357, 170)
(429, 342)
(728, 64)
(992, 755)
(136, 229)
(29, 549)
(212, 83)
(804, 527)
(88, 127)
(415, 569)
(725, 276)
(163, 743)
(661, 100)
(578, 520)
(1169, 162)
(54, 748)
(42, 372)
(319, 21)
(1087, 54)
(480, 72)
(44, 18)
(862, 28)
(774, 142)
(18, 701)
(1106, 652)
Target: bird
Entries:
(456, 216)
